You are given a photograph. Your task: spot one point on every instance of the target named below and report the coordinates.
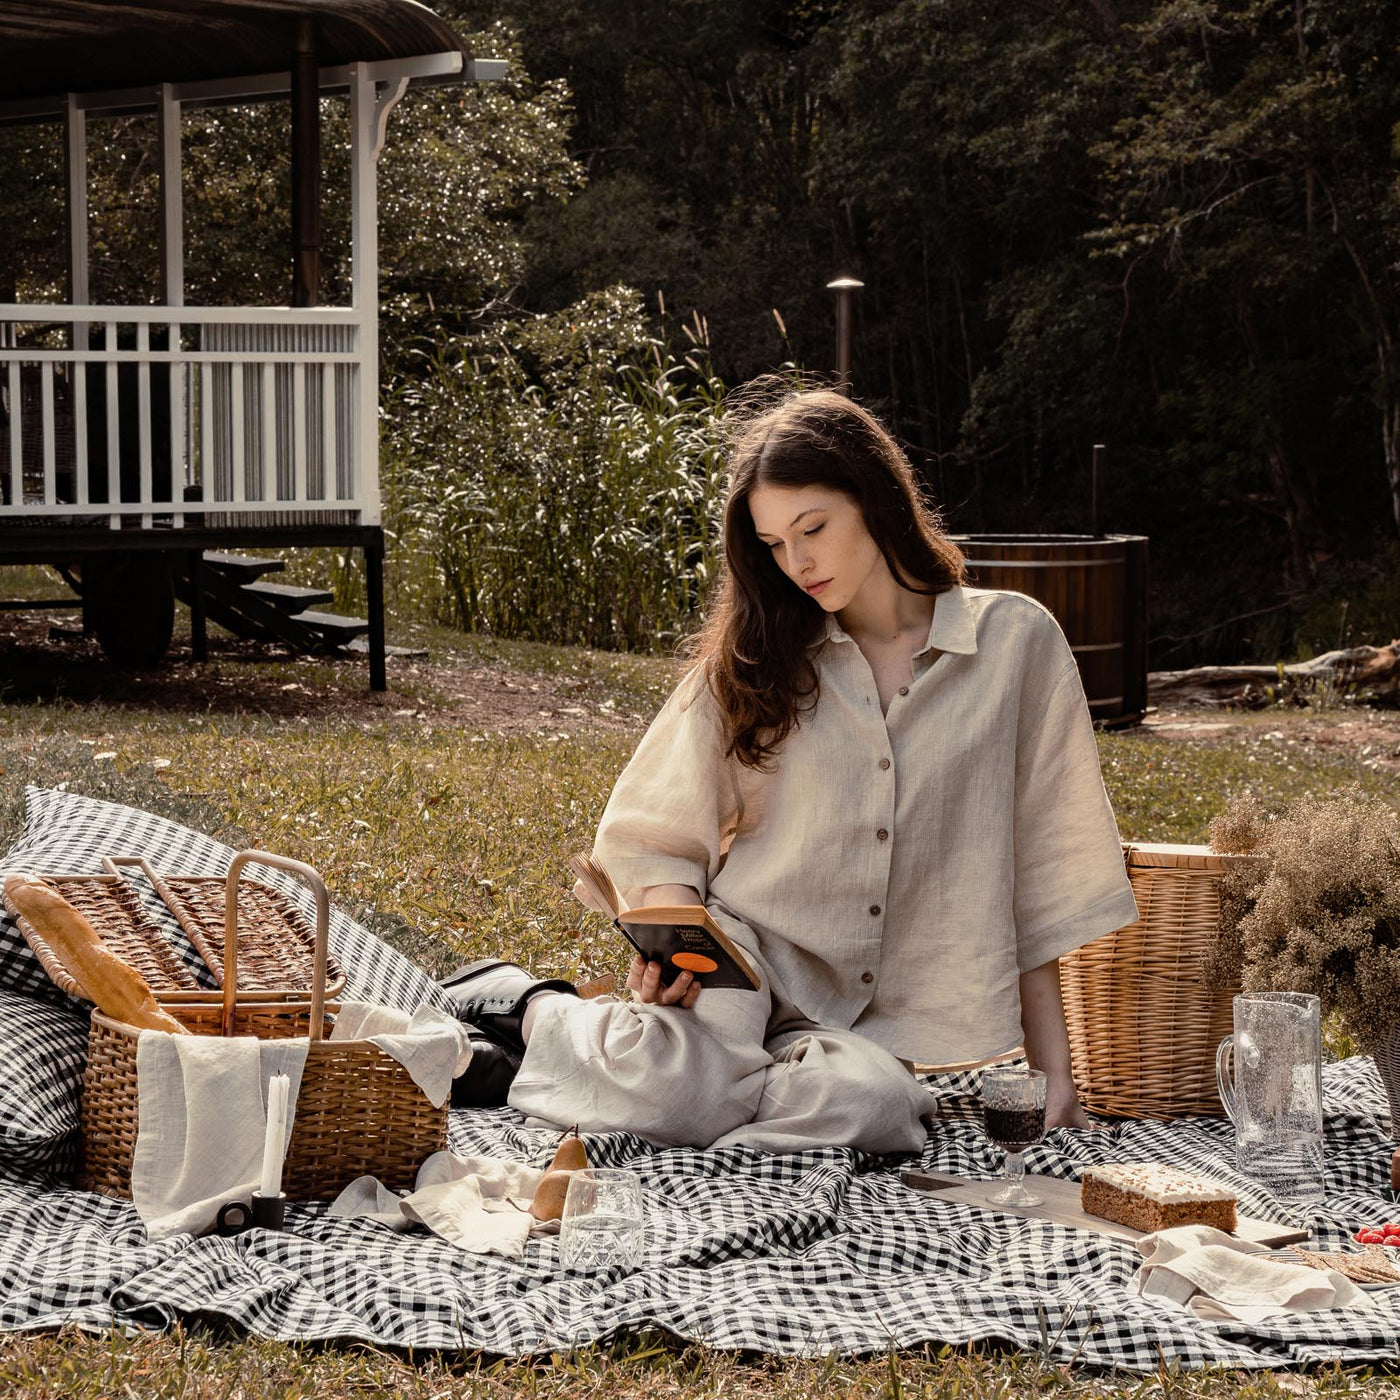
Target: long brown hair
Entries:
(755, 646)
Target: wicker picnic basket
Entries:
(276, 945)
(358, 1111)
(1143, 1029)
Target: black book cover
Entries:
(690, 948)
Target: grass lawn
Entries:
(449, 836)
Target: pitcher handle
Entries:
(1224, 1079)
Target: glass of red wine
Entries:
(1013, 1110)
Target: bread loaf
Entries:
(119, 991)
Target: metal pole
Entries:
(845, 289)
(1095, 528)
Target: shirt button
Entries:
(867, 977)
(904, 690)
(884, 763)
(874, 908)
(882, 835)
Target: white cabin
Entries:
(180, 428)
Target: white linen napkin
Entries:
(479, 1204)
(1219, 1276)
(431, 1045)
(201, 1118)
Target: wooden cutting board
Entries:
(1060, 1204)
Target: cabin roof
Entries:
(89, 45)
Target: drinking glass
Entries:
(602, 1223)
(1013, 1109)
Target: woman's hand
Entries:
(644, 982)
(1063, 1109)
(1047, 1045)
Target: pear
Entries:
(570, 1155)
(548, 1201)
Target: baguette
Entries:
(119, 991)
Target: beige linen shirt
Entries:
(897, 872)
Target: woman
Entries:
(882, 784)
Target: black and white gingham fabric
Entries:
(808, 1254)
(44, 1048)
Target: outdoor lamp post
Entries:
(845, 289)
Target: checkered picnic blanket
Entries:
(808, 1254)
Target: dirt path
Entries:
(258, 678)
(251, 677)
(1370, 736)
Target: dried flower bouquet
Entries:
(1317, 910)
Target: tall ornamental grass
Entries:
(559, 481)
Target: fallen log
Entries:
(1370, 674)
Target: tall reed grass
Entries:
(557, 481)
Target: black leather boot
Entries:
(492, 995)
(485, 1083)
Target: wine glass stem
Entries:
(1015, 1169)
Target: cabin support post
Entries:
(194, 570)
(75, 171)
(369, 113)
(364, 278)
(374, 607)
(172, 271)
(306, 168)
(172, 228)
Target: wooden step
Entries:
(241, 568)
(288, 597)
(332, 627)
(360, 646)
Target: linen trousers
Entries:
(739, 1069)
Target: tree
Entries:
(697, 122)
(960, 148)
(1257, 166)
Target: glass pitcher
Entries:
(1269, 1073)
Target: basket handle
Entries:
(191, 927)
(323, 926)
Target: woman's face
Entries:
(818, 538)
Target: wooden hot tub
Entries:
(1096, 586)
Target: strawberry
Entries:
(1370, 1236)
(1391, 1227)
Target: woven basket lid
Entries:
(1164, 855)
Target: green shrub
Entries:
(556, 480)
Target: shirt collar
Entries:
(952, 629)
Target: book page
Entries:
(672, 914)
(597, 882)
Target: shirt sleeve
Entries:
(1070, 882)
(673, 803)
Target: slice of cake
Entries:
(1149, 1196)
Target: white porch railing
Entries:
(185, 415)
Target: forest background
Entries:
(1168, 226)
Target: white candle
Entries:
(278, 1089)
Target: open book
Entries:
(680, 937)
